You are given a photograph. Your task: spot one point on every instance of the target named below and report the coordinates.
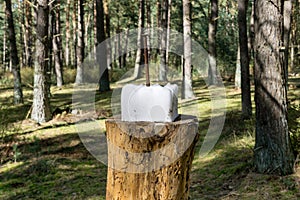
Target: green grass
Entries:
(54, 164)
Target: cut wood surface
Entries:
(148, 160)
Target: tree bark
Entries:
(212, 53)
(238, 78)
(51, 31)
(95, 28)
(101, 56)
(4, 49)
(273, 151)
(124, 57)
(251, 31)
(163, 173)
(57, 46)
(187, 91)
(294, 35)
(41, 106)
(87, 28)
(148, 25)
(163, 44)
(158, 24)
(107, 32)
(287, 18)
(28, 35)
(68, 34)
(244, 59)
(75, 30)
(20, 17)
(119, 43)
(168, 29)
(18, 94)
(80, 43)
(138, 67)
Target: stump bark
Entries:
(150, 160)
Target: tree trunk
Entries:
(28, 35)
(21, 19)
(80, 43)
(119, 43)
(41, 107)
(4, 49)
(51, 31)
(115, 57)
(75, 30)
(107, 32)
(138, 67)
(287, 18)
(18, 94)
(294, 34)
(292, 54)
(145, 168)
(273, 151)
(244, 59)
(251, 31)
(88, 32)
(148, 22)
(158, 24)
(56, 42)
(168, 30)
(187, 91)
(238, 78)
(101, 56)
(4, 41)
(124, 57)
(95, 28)
(212, 53)
(68, 34)
(163, 44)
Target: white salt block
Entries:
(154, 103)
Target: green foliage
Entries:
(3, 124)
(294, 126)
(227, 37)
(69, 75)
(27, 76)
(54, 163)
(6, 80)
(124, 15)
(117, 74)
(35, 148)
(16, 152)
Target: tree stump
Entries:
(150, 160)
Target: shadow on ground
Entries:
(54, 168)
(228, 171)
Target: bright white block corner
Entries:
(154, 103)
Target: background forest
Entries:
(64, 28)
(119, 19)
(44, 43)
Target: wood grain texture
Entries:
(150, 160)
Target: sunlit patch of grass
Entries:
(227, 173)
(10, 166)
(54, 164)
(44, 179)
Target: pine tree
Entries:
(41, 106)
(18, 94)
(187, 91)
(273, 151)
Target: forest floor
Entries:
(49, 161)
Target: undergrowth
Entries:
(52, 163)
